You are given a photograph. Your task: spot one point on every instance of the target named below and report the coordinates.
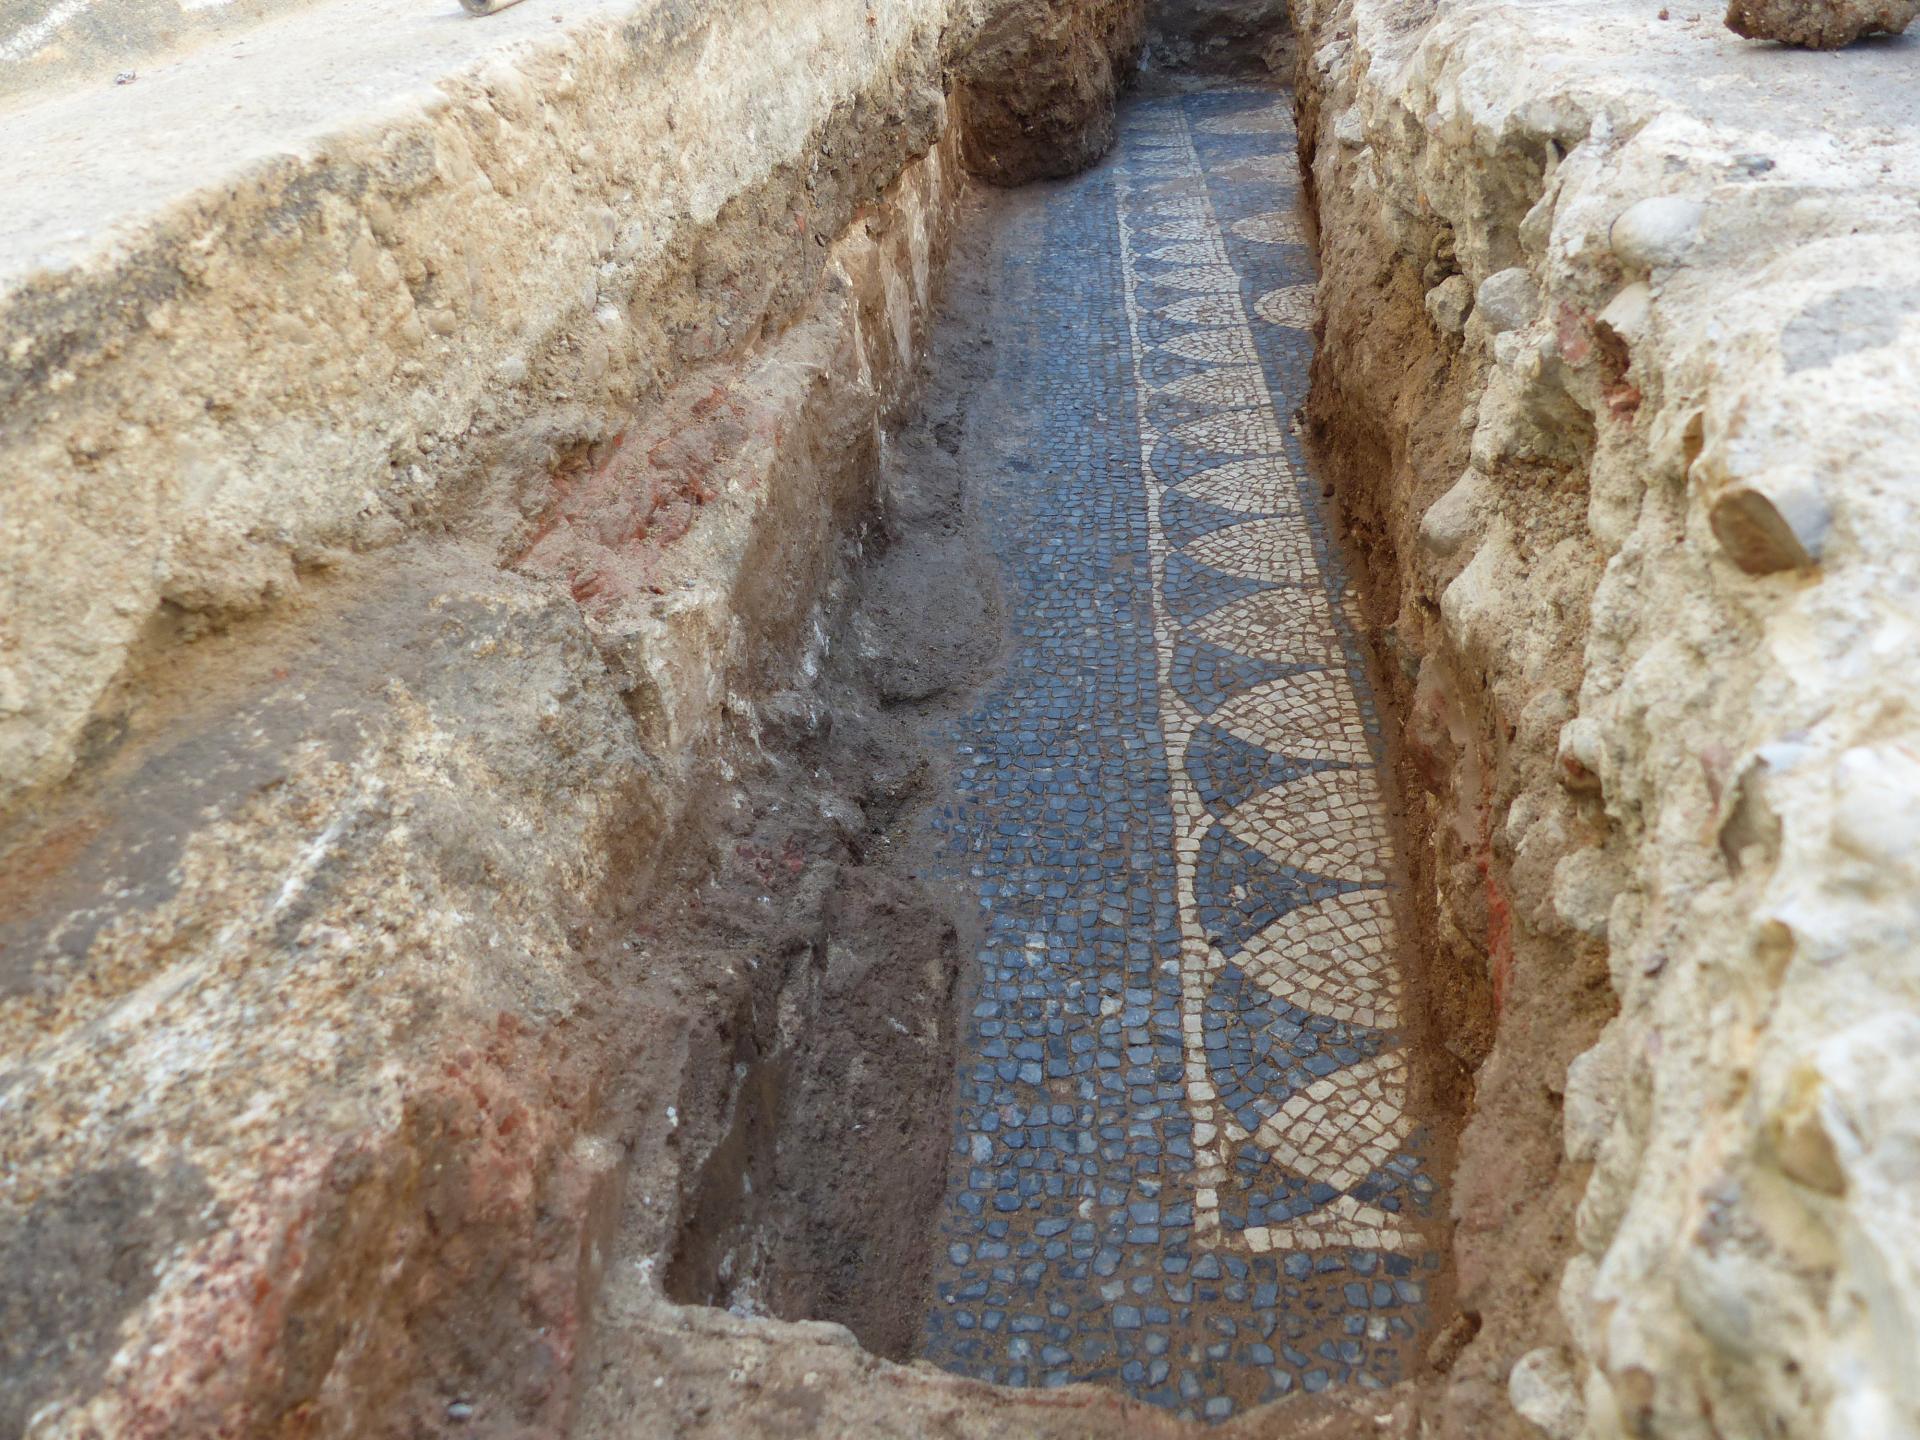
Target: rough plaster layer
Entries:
(1629, 425)
(408, 481)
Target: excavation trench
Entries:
(1066, 1015)
(666, 772)
(792, 799)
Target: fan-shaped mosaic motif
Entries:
(1276, 227)
(1291, 305)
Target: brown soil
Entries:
(1036, 92)
(1220, 37)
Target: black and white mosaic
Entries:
(1185, 1162)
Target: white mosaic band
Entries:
(1335, 957)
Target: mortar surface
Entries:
(1189, 1157)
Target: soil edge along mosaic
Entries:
(1185, 1161)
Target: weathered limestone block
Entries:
(1697, 385)
(1819, 24)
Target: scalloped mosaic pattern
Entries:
(1185, 1162)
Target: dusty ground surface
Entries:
(67, 44)
(709, 1376)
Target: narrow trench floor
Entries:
(1188, 1155)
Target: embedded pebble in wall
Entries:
(1450, 302)
(1777, 522)
(1459, 517)
(1584, 885)
(1580, 753)
(1877, 806)
(1656, 231)
(1628, 312)
(1542, 1389)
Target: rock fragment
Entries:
(1543, 1390)
(1771, 524)
(1458, 517)
(1627, 313)
(1508, 299)
(1819, 24)
(1450, 302)
(1656, 231)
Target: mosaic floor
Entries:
(1184, 1160)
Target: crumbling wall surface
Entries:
(349, 316)
(421, 444)
(317, 984)
(269, 308)
(1620, 389)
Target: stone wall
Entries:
(415, 462)
(1619, 391)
